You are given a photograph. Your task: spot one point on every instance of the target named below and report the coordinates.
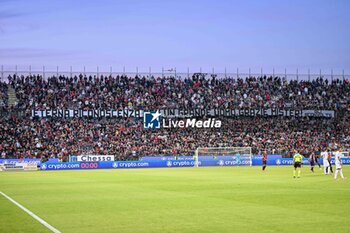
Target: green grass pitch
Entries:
(167, 200)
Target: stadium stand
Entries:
(3, 95)
(196, 92)
(24, 137)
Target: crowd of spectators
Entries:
(23, 136)
(126, 138)
(197, 92)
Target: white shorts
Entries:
(325, 163)
(337, 166)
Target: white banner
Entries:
(95, 158)
(167, 113)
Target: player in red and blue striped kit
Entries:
(312, 159)
(264, 160)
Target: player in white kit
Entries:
(338, 164)
(324, 155)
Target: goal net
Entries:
(239, 156)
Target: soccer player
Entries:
(338, 165)
(264, 160)
(324, 155)
(316, 161)
(329, 160)
(238, 159)
(297, 159)
(312, 159)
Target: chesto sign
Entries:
(95, 158)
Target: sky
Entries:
(183, 34)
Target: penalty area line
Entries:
(31, 214)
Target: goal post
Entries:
(242, 155)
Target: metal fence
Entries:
(70, 72)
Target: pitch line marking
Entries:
(31, 214)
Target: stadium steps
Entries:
(12, 99)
